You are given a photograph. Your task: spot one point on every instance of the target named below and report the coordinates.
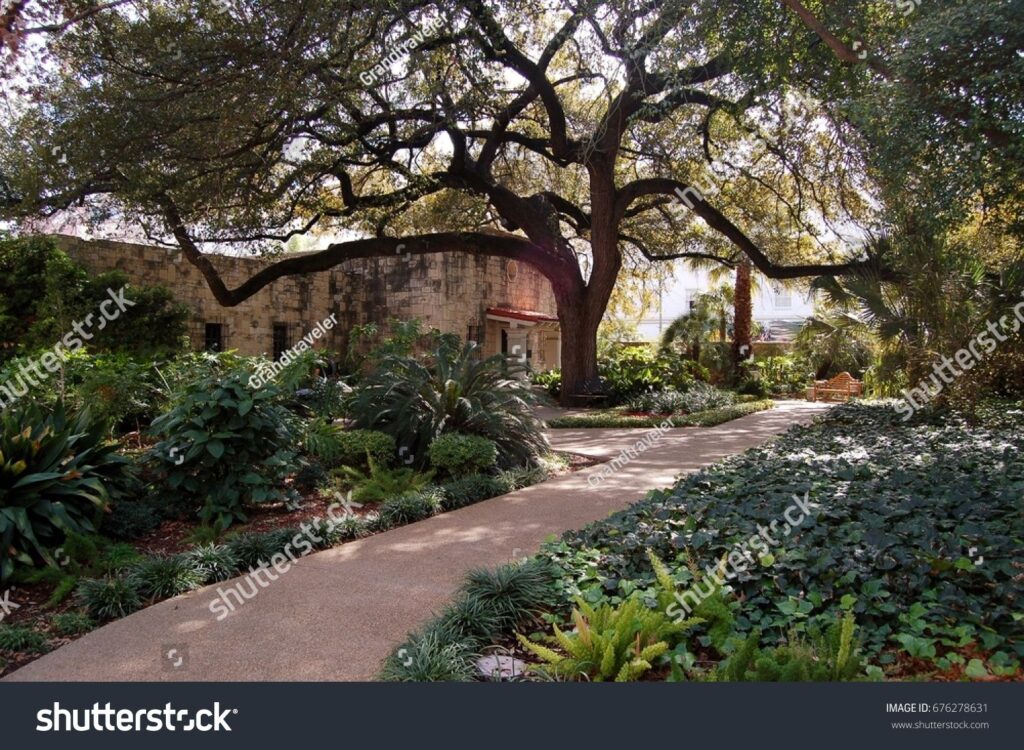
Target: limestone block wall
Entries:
(448, 291)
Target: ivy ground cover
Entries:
(916, 528)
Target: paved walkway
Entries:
(336, 614)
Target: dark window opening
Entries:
(504, 341)
(214, 337)
(281, 340)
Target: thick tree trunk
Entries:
(580, 310)
(579, 322)
(743, 318)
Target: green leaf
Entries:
(975, 669)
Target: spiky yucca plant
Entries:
(455, 389)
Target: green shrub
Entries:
(783, 375)
(117, 557)
(464, 491)
(328, 398)
(214, 562)
(45, 292)
(77, 556)
(457, 455)
(609, 419)
(551, 381)
(522, 476)
(409, 508)
(57, 474)
(515, 593)
(704, 397)
(312, 476)
(472, 621)
(334, 532)
(668, 401)
(201, 535)
(253, 549)
(382, 483)
(132, 517)
(320, 439)
(119, 388)
(713, 417)
(109, 598)
(617, 419)
(452, 390)
(431, 656)
(225, 446)
(72, 623)
(13, 638)
(161, 577)
(490, 606)
(358, 447)
(629, 371)
(753, 388)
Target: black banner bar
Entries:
(256, 715)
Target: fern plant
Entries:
(320, 439)
(610, 642)
(381, 483)
(617, 642)
(831, 656)
(713, 611)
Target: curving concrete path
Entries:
(336, 614)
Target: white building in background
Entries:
(780, 311)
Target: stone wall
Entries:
(448, 291)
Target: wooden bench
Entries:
(591, 393)
(842, 387)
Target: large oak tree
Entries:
(579, 136)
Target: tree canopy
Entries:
(622, 132)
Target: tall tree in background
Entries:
(743, 318)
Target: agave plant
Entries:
(57, 474)
(453, 390)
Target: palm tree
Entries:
(691, 330)
(833, 340)
(746, 282)
(743, 317)
(720, 303)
